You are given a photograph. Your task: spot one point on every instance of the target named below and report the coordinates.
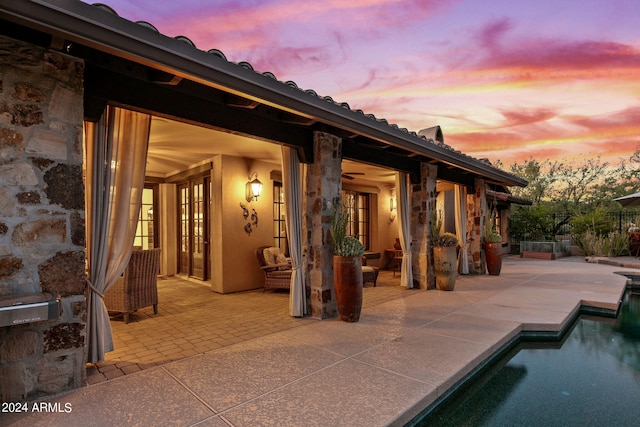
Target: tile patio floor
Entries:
(193, 320)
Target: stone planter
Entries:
(445, 262)
(347, 281)
(494, 258)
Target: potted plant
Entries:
(492, 247)
(347, 267)
(445, 257)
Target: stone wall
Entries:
(41, 216)
(423, 204)
(323, 190)
(477, 210)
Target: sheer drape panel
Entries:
(292, 188)
(461, 228)
(116, 155)
(403, 194)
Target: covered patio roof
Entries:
(133, 65)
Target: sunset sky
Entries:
(505, 79)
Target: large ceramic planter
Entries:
(347, 281)
(445, 262)
(634, 243)
(493, 256)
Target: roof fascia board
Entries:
(86, 24)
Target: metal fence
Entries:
(561, 223)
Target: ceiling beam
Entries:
(366, 154)
(172, 101)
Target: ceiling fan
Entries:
(349, 175)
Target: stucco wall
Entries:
(41, 217)
(234, 265)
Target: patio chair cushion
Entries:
(273, 257)
(370, 274)
(276, 267)
(270, 255)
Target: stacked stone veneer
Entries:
(41, 216)
(423, 204)
(323, 190)
(477, 206)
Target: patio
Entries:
(192, 320)
(403, 356)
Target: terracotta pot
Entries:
(445, 262)
(347, 281)
(494, 258)
(634, 243)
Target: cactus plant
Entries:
(343, 245)
(444, 239)
(349, 246)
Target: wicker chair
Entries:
(277, 275)
(369, 273)
(138, 286)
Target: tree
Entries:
(540, 176)
(577, 187)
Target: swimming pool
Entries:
(590, 377)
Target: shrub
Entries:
(612, 244)
(596, 222)
(529, 223)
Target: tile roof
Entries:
(75, 19)
(246, 65)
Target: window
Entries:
(279, 214)
(359, 207)
(146, 232)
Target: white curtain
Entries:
(292, 187)
(403, 194)
(461, 227)
(116, 155)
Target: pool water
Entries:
(589, 378)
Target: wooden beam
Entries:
(175, 101)
(374, 156)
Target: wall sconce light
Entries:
(253, 187)
(392, 209)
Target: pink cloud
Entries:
(527, 116)
(538, 56)
(627, 119)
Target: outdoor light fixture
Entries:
(253, 187)
(392, 209)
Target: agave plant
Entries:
(343, 245)
(444, 239)
(491, 234)
(349, 246)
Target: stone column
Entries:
(323, 188)
(41, 217)
(423, 203)
(478, 209)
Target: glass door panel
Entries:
(184, 266)
(194, 228)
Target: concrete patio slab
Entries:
(245, 371)
(344, 339)
(427, 357)
(154, 398)
(383, 370)
(348, 393)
